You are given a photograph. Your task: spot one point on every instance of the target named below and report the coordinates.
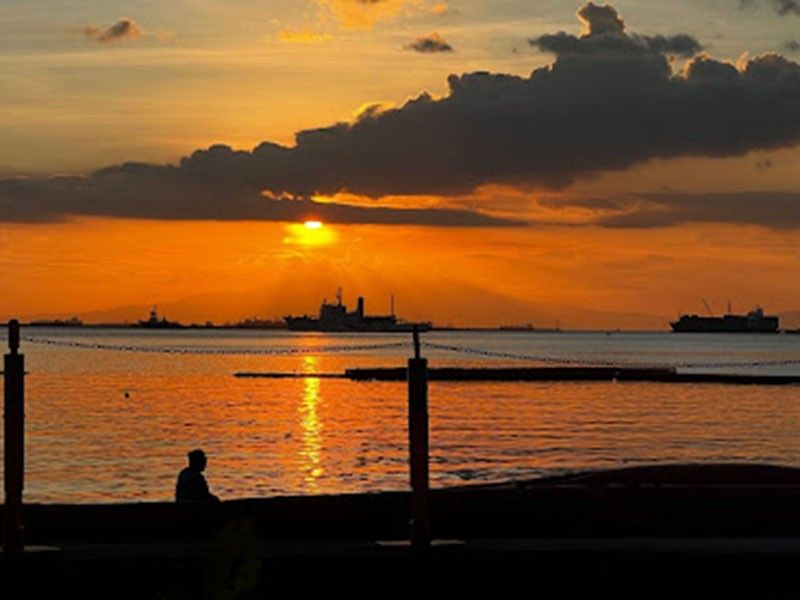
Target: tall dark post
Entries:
(14, 441)
(418, 445)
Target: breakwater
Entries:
(539, 374)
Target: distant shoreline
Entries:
(281, 327)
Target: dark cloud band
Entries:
(774, 210)
(136, 191)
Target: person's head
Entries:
(197, 460)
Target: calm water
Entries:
(112, 426)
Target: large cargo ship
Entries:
(753, 322)
(155, 323)
(335, 318)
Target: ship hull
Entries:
(313, 325)
(160, 325)
(725, 325)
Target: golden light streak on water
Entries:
(311, 450)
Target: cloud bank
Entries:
(773, 210)
(609, 101)
(141, 191)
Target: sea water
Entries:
(111, 413)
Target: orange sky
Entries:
(584, 277)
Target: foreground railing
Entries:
(14, 448)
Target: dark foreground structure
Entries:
(534, 374)
(675, 531)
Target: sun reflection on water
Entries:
(311, 450)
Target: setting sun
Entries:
(309, 234)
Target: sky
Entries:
(487, 163)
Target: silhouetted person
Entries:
(192, 486)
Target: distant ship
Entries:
(155, 323)
(335, 318)
(528, 327)
(256, 323)
(71, 322)
(753, 322)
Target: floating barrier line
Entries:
(342, 349)
(595, 363)
(213, 351)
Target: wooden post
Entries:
(418, 446)
(14, 458)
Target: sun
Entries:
(309, 233)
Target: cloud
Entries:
(593, 203)
(123, 30)
(600, 19)
(792, 46)
(782, 7)
(430, 44)
(140, 191)
(604, 32)
(786, 7)
(609, 105)
(774, 210)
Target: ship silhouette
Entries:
(153, 322)
(334, 317)
(753, 322)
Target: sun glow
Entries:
(309, 233)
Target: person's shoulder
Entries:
(190, 477)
